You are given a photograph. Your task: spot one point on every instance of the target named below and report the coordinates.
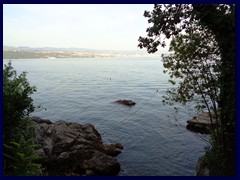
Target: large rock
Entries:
(202, 168)
(74, 149)
(101, 164)
(113, 149)
(201, 123)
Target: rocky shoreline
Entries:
(73, 149)
(69, 148)
(201, 124)
(202, 168)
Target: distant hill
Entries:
(71, 49)
(26, 48)
(25, 52)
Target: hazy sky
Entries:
(111, 26)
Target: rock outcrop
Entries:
(201, 168)
(73, 149)
(201, 123)
(126, 102)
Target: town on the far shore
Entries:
(10, 52)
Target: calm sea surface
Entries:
(84, 91)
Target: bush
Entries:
(19, 136)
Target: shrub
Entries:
(19, 136)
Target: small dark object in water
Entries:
(126, 102)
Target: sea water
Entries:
(84, 90)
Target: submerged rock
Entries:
(73, 149)
(126, 102)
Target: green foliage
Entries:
(19, 135)
(220, 19)
(16, 98)
(203, 42)
(19, 158)
(214, 163)
(195, 64)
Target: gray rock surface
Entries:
(70, 148)
(201, 123)
(201, 168)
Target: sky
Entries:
(99, 26)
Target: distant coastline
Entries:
(56, 53)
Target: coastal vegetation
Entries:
(19, 135)
(203, 67)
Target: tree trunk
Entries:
(224, 30)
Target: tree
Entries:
(19, 135)
(195, 64)
(180, 21)
(220, 19)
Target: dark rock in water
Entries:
(126, 102)
(74, 149)
(39, 120)
(198, 129)
(201, 123)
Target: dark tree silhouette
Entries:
(219, 20)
